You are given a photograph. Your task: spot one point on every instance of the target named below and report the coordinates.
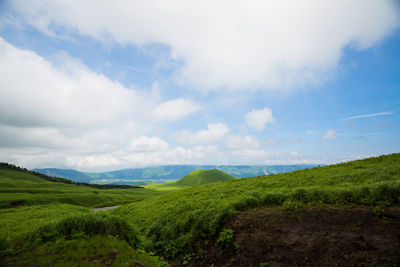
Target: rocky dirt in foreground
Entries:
(324, 236)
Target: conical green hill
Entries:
(199, 177)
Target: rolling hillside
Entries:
(72, 175)
(195, 178)
(353, 207)
(48, 223)
(175, 222)
(200, 177)
(166, 173)
(21, 188)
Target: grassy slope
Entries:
(200, 177)
(93, 251)
(44, 207)
(21, 188)
(195, 178)
(18, 221)
(89, 239)
(176, 221)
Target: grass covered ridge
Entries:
(46, 223)
(195, 178)
(39, 226)
(200, 177)
(87, 239)
(20, 188)
(174, 223)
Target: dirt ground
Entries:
(317, 236)
(105, 208)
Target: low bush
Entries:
(292, 205)
(226, 238)
(85, 225)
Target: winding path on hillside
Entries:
(105, 208)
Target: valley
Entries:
(169, 173)
(207, 218)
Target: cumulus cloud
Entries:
(145, 143)
(213, 133)
(229, 44)
(258, 119)
(79, 117)
(329, 135)
(242, 142)
(175, 109)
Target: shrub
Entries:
(378, 211)
(226, 238)
(292, 204)
(86, 225)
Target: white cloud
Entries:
(329, 135)
(34, 92)
(242, 142)
(175, 109)
(232, 44)
(145, 143)
(258, 119)
(368, 115)
(66, 115)
(213, 133)
(271, 142)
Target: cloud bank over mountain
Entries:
(101, 85)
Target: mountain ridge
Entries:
(167, 173)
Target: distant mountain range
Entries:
(166, 173)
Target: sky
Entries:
(104, 85)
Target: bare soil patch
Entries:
(316, 236)
(105, 208)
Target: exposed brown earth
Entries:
(316, 236)
(105, 208)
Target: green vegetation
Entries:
(46, 221)
(20, 188)
(174, 223)
(93, 238)
(76, 181)
(20, 220)
(83, 226)
(195, 178)
(226, 238)
(93, 251)
(166, 173)
(50, 223)
(200, 177)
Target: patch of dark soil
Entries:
(16, 203)
(324, 236)
(108, 260)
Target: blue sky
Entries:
(180, 82)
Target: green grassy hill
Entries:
(174, 222)
(47, 223)
(200, 177)
(20, 188)
(159, 174)
(195, 178)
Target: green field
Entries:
(195, 178)
(174, 223)
(45, 223)
(20, 188)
